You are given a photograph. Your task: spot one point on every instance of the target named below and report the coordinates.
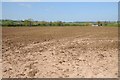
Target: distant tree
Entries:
(50, 23)
(7, 23)
(59, 23)
(0, 22)
(44, 23)
(66, 24)
(88, 24)
(28, 22)
(105, 23)
(99, 23)
(118, 22)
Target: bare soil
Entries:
(60, 52)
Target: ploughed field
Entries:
(60, 52)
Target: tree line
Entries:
(30, 23)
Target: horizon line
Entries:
(62, 21)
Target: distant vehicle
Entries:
(95, 25)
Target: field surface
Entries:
(60, 52)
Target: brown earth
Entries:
(60, 52)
